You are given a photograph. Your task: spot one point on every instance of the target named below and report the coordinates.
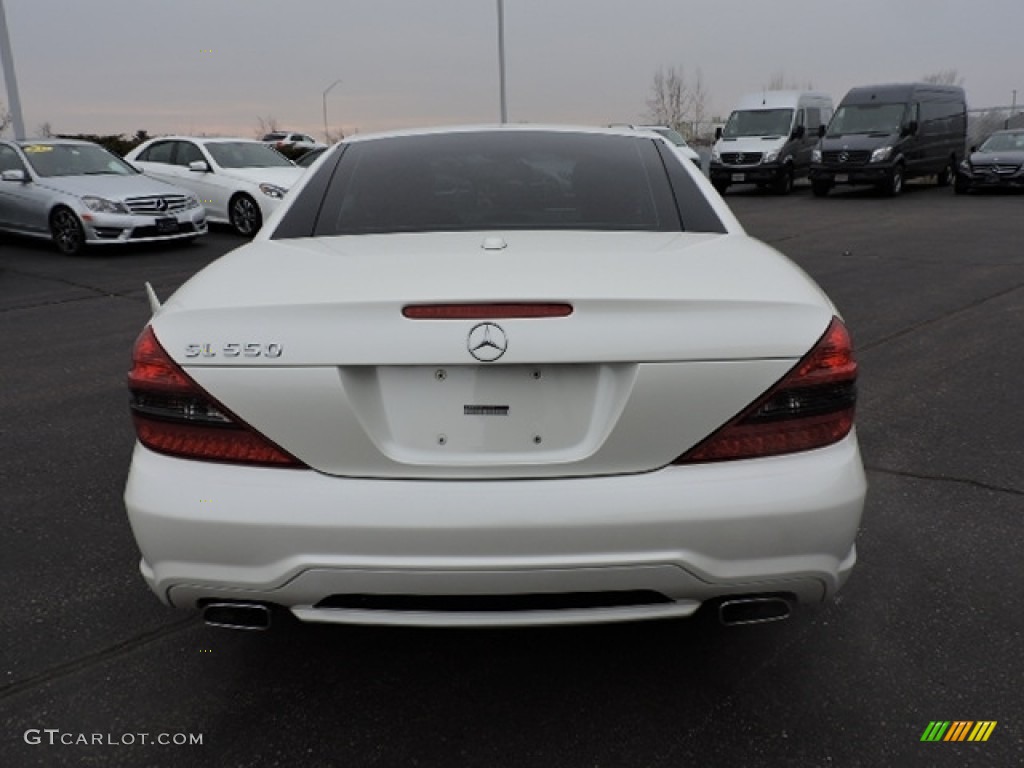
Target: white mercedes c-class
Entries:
(496, 376)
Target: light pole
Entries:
(327, 134)
(501, 60)
(7, 61)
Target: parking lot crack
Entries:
(99, 292)
(945, 479)
(76, 665)
(939, 318)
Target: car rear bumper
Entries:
(327, 548)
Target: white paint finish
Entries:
(771, 524)
(625, 419)
(636, 297)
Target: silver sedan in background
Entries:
(78, 194)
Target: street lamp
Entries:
(501, 60)
(327, 134)
(7, 62)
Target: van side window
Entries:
(813, 120)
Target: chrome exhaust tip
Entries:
(237, 615)
(754, 610)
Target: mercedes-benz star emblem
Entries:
(487, 342)
(161, 204)
(843, 157)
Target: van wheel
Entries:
(720, 187)
(894, 185)
(820, 188)
(784, 184)
(946, 174)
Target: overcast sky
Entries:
(117, 66)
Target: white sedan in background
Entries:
(239, 181)
(496, 376)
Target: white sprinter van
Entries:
(768, 139)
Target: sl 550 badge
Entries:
(235, 349)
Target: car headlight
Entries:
(102, 205)
(881, 154)
(965, 165)
(715, 156)
(815, 155)
(771, 156)
(272, 190)
(191, 202)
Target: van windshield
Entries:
(867, 118)
(758, 122)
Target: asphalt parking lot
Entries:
(928, 628)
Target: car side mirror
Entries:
(821, 131)
(199, 166)
(973, 149)
(799, 132)
(910, 129)
(14, 175)
(718, 133)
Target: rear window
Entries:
(499, 181)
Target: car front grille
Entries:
(156, 205)
(1003, 170)
(741, 158)
(840, 157)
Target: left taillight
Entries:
(175, 416)
(810, 407)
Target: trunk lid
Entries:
(671, 334)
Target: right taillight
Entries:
(175, 416)
(810, 407)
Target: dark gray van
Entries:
(883, 134)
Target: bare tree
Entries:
(779, 82)
(44, 131)
(265, 125)
(981, 125)
(943, 77)
(698, 102)
(5, 118)
(671, 99)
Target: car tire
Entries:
(893, 186)
(66, 231)
(820, 188)
(245, 215)
(784, 184)
(720, 187)
(961, 185)
(946, 174)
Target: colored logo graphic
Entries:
(958, 730)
